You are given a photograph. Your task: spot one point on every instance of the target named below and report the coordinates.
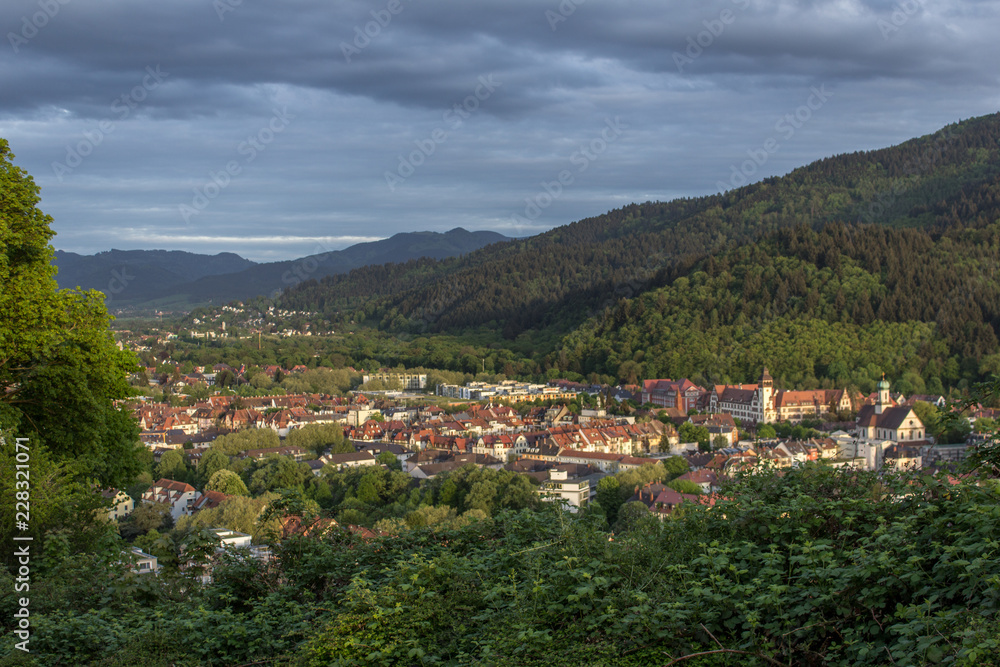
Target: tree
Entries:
(675, 466)
(389, 459)
(172, 466)
(684, 486)
(60, 369)
(211, 462)
(251, 438)
(629, 516)
(278, 472)
(985, 425)
(767, 432)
(146, 517)
(688, 432)
(225, 378)
(609, 497)
(319, 437)
(228, 482)
(720, 442)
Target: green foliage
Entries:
(173, 466)
(684, 486)
(228, 482)
(318, 437)
(277, 472)
(833, 307)
(60, 370)
(239, 513)
(688, 432)
(609, 497)
(675, 466)
(630, 516)
(818, 566)
(145, 518)
(212, 461)
(240, 441)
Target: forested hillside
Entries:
(948, 180)
(844, 303)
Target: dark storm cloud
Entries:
(698, 84)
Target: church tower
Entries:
(766, 392)
(883, 396)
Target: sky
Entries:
(280, 129)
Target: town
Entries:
(562, 438)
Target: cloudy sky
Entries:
(279, 129)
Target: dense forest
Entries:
(843, 304)
(948, 180)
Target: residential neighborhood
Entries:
(563, 438)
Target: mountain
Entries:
(160, 278)
(843, 303)
(553, 282)
(267, 279)
(140, 274)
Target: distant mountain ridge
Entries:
(178, 279)
(140, 274)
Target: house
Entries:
(706, 479)
(209, 500)
(401, 453)
(142, 562)
(934, 399)
(179, 496)
(660, 499)
(718, 424)
(903, 457)
(349, 460)
(680, 394)
(121, 503)
(558, 487)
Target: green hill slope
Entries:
(844, 304)
(554, 281)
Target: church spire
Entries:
(883, 401)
